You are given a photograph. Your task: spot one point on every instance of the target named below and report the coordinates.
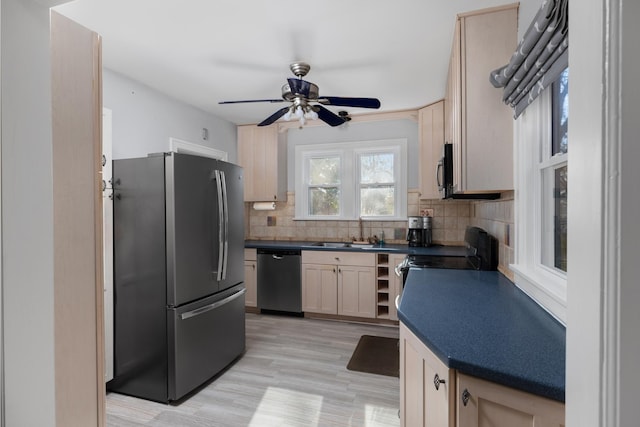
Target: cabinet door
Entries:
(356, 291)
(319, 288)
(431, 125)
(411, 384)
(453, 106)
(487, 128)
(261, 155)
(422, 402)
(490, 404)
(250, 283)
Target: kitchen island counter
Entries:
(480, 324)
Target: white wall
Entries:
(144, 120)
(27, 224)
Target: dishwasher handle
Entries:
(278, 253)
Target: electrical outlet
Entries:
(507, 235)
(399, 233)
(426, 212)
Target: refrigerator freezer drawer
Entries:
(204, 337)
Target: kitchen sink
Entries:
(332, 244)
(362, 245)
(344, 245)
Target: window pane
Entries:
(324, 201)
(560, 107)
(378, 201)
(555, 227)
(376, 168)
(324, 171)
(560, 219)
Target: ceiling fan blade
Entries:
(327, 116)
(251, 100)
(275, 116)
(300, 87)
(350, 102)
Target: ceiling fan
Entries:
(302, 94)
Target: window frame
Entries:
(350, 153)
(312, 154)
(533, 132)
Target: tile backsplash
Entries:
(497, 218)
(450, 220)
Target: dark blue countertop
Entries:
(480, 324)
(391, 248)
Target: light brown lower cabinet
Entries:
(427, 386)
(356, 291)
(389, 286)
(432, 395)
(491, 404)
(340, 283)
(250, 278)
(319, 288)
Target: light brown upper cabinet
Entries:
(431, 128)
(262, 152)
(477, 122)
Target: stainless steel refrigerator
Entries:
(178, 273)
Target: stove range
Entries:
(439, 261)
(481, 254)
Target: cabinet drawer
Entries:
(338, 258)
(250, 254)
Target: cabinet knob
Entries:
(465, 397)
(437, 381)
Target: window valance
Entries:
(541, 57)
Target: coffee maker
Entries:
(427, 225)
(414, 231)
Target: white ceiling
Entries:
(206, 51)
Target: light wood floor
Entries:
(292, 374)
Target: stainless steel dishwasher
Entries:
(279, 280)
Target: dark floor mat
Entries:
(376, 355)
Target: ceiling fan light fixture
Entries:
(287, 115)
(311, 114)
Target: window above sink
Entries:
(351, 180)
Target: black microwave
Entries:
(444, 177)
(444, 172)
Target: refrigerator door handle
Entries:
(212, 306)
(221, 240)
(226, 224)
